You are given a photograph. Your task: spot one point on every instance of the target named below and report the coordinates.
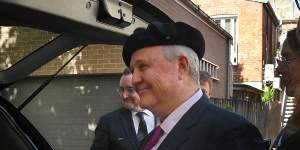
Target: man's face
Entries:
(205, 88)
(289, 69)
(154, 77)
(129, 96)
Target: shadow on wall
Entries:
(17, 42)
(66, 112)
(8, 37)
(237, 73)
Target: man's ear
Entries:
(183, 66)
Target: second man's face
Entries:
(128, 94)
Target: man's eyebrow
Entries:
(137, 62)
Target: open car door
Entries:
(78, 23)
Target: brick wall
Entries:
(94, 59)
(250, 19)
(17, 42)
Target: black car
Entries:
(71, 25)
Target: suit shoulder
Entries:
(226, 117)
(228, 123)
(114, 114)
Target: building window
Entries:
(209, 67)
(229, 23)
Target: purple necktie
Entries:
(157, 133)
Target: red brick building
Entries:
(254, 27)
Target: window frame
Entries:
(234, 30)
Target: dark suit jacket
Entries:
(115, 131)
(207, 127)
(291, 143)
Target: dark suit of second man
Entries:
(125, 127)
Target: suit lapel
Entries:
(182, 130)
(128, 126)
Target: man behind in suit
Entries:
(125, 127)
(206, 83)
(164, 59)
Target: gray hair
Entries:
(172, 52)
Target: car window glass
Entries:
(93, 59)
(66, 112)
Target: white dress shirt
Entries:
(148, 117)
(168, 124)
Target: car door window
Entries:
(16, 42)
(66, 112)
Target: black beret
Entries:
(157, 33)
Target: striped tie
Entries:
(142, 130)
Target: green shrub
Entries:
(268, 95)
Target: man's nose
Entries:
(136, 78)
(125, 94)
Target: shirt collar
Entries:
(146, 112)
(168, 124)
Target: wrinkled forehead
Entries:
(145, 54)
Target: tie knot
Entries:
(140, 115)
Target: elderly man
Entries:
(164, 59)
(124, 128)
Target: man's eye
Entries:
(131, 89)
(142, 66)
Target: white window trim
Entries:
(222, 21)
(210, 67)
